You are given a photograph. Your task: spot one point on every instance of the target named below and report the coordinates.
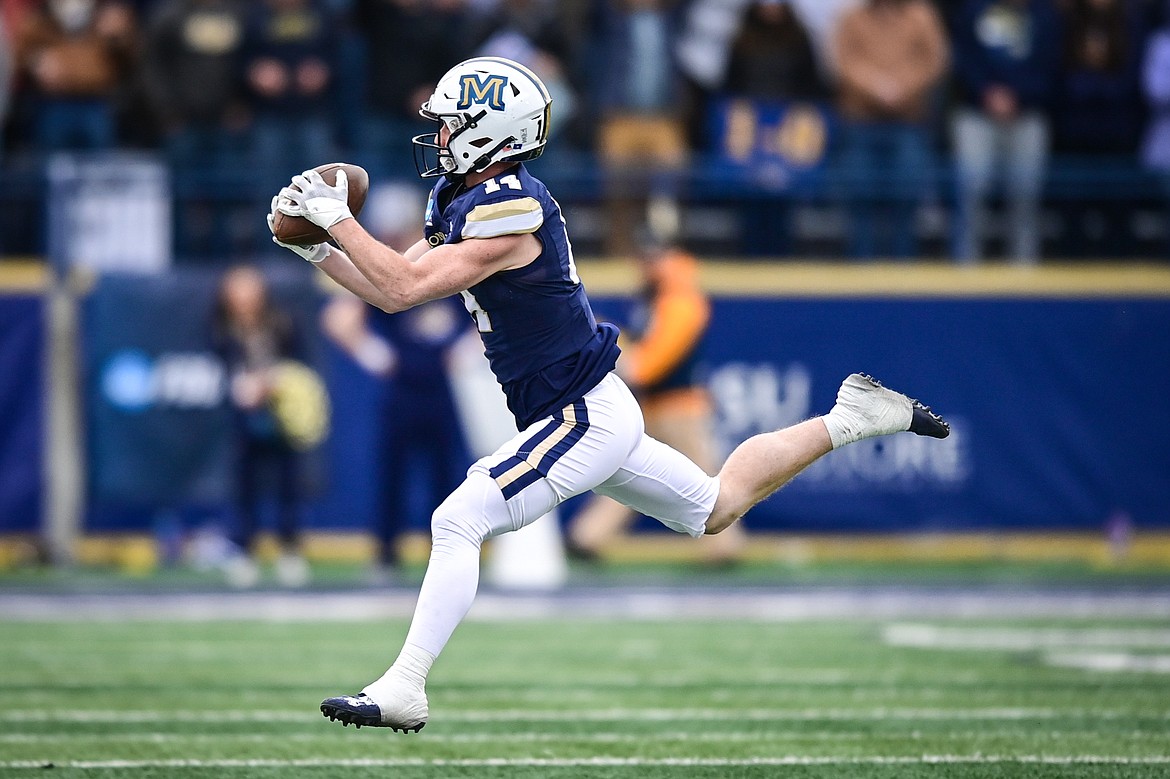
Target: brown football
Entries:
(300, 231)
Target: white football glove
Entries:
(315, 200)
(314, 253)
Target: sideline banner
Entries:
(158, 422)
(778, 146)
(22, 421)
(1056, 405)
(156, 412)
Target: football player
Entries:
(495, 236)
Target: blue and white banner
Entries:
(158, 424)
(778, 146)
(1057, 405)
(157, 420)
(1056, 408)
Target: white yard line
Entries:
(616, 762)
(1110, 662)
(596, 715)
(1061, 647)
(531, 737)
(635, 603)
(1021, 639)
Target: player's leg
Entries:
(662, 483)
(765, 463)
(554, 459)
(684, 427)
(472, 513)
(688, 426)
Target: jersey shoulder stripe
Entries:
(506, 217)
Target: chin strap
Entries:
(487, 158)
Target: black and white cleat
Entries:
(923, 421)
(359, 710)
(926, 422)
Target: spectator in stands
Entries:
(890, 54)
(420, 439)
(708, 31)
(662, 364)
(772, 56)
(74, 56)
(772, 64)
(1099, 106)
(535, 33)
(1098, 118)
(1156, 85)
(1007, 58)
(408, 45)
(702, 48)
(253, 336)
(290, 63)
(642, 144)
(193, 75)
(6, 67)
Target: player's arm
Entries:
(437, 272)
(339, 267)
(394, 281)
(333, 262)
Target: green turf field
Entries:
(595, 698)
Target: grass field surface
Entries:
(844, 695)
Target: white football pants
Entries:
(598, 443)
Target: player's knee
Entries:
(454, 520)
(727, 510)
(447, 525)
(463, 516)
(717, 523)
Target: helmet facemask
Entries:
(432, 158)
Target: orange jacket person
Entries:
(662, 364)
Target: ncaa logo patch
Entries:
(485, 90)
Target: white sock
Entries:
(841, 429)
(400, 692)
(413, 664)
(864, 410)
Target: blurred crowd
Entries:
(964, 101)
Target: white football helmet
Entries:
(494, 108)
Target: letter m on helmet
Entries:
(482, 90)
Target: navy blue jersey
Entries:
(542, 340)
